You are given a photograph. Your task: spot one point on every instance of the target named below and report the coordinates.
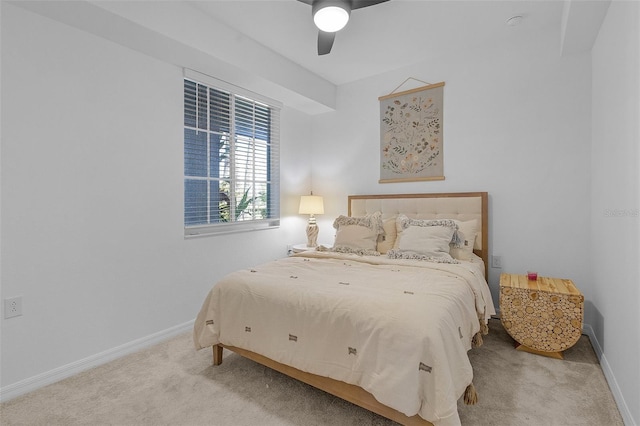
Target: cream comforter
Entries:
(400, 329)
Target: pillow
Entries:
(430, 241)
(358, 234)
(403, 222)
(388, 239)
(424, 239)
(467, 232)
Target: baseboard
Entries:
(30, 384)
(611, 378)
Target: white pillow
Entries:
(403, 222)
(355, 237)
(358, 234)
(428, 241)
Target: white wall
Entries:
(615, 203)
(92, 231)
(516, 124)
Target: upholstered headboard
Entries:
(461, 206)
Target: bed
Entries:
(383, 319)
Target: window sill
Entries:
(224, 229)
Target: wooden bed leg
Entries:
(217, 354)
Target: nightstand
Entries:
(299, 248)
(544, 316)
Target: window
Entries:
(231, 159)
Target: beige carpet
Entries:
(171, 384)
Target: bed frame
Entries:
(461, 206)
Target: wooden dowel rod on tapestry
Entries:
(411, 179)
(406, 92)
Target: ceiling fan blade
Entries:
(358, 4)
(325, 42)
(355, 4)
(326, 39)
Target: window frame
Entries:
(273, 160)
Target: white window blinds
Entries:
(231, 160)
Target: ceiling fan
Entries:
(330, 16)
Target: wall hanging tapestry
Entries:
(411, 135)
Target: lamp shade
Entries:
(311, 204)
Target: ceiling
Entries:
(269, 46)
(383, 37)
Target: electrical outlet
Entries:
(13, 307)
(496, 262)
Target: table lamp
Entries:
(311, 205)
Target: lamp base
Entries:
(312, 235)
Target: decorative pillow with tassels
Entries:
(425, 239)
(358, 234)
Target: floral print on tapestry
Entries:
(411, 135)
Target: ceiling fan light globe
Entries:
(331, 18)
